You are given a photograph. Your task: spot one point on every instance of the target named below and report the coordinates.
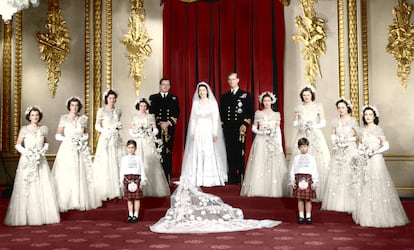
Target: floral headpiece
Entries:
(308, 85)
(267, 93)
(105, 93)
(73, 97)
(142, 99)
(347, 102)
(30, 108)
(373, 108)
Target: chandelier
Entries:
(9, 7)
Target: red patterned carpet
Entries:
(105, 228)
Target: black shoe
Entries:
(134, 219)
(130, 218)
(308, 221)
(300, 220)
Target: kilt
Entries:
(306, 194)
(132, 195)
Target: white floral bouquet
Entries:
(307, 127)
(33, 155)
(340, 143)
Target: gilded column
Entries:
(364, 27)
(87, 60)
(97, 66)
(18, 72)
(7, 72)
(353, 56)
(341, 48)
(108, 56)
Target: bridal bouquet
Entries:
(33, 155)
(307, 127)
(340, 143)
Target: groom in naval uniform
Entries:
(166, 110)
(236, 111)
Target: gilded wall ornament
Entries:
(136, 42)
(54, 44)
(401, 40)
(312, 35)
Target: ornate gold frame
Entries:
(7, 76)
(18, 75)
(353, 56)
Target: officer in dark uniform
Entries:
(166, 110)
(236, 111)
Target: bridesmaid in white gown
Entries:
(378, 203)
(72, 169)
(266, 173)
(309, 119)
(206, 163)
(144, 131)
(33, 201)
(109, 150)
(339, 194)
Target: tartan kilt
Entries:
(132, 195)
(307, 194)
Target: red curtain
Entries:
(205, 40)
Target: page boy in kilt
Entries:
(132, 179)
(304, 180)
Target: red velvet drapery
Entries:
(205, 40)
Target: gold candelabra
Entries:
(54, 44)
(136, 42)
(401, 40)
(312, 35)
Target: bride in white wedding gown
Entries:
(192, 210)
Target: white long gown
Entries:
(157, 185)
(109, 152)
(193, 211)
(378, 203)
(33, 201)
(266, 173)
(205, 164)
(317, 143)
(72, 169)
(339, 195)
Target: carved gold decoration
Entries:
(54, 45)
(87, 61)
(285, 2)
(7, 76)
(18, 72)
(341, 47)
(353, 56)
(401, 40)
(312, 35)
(97, 60)
(364, 37)
(108, 40)
(136, 42)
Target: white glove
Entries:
(296, 124)
(84, 137)
(321, 124)
(333, 138)
(131, 133)
(279, 139)
(256, 131)
(45, 148)
(155, 131)
(60, 137)
(351, 139)
(20, 148)
(385, 147)
(99, 128)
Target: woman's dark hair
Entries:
(143, 100)
(303, 141)
(129, 142)
(376, 118)
(307, 89)
(110, 92)
(202, 85)
(34, 109)
(74, 99)
(261, 102)
(348, 107)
